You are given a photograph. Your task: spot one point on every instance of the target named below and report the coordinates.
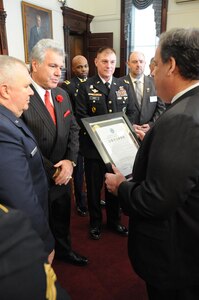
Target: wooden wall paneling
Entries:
(3, 35)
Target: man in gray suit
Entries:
(162, 200)
(148, 106)
(50, 117)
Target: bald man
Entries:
(149, 107)
(80, 69)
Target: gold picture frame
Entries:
(182, 1)
(37, 24)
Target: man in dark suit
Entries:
(148, 106)
(95, 98)
(162, 200)
(50, 117)
(22, 175)
(80, 69)
(37, 32)
(25, 272)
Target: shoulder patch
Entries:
(126, 81)
(67, 82)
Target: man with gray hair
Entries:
(162, 201)
(51, 119)
(23, 183)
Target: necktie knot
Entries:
(49, 106)
(107, 84)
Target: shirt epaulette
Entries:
(67, 82)
(126, 81)
(4, 208)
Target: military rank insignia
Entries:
(126, 81)
(67, 82)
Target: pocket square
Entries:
(67, 113)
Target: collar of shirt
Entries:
(42, 92)
(133, 79)
(104, 81)
(184, 91)
(141, 79)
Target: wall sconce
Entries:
(64, 2)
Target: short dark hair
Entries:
(105, 49)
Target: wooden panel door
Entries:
(76, 31)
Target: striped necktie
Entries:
(49, 106)
(138, 91)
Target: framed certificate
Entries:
(115, 140)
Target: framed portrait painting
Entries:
(37, 25)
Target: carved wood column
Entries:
(3, 36)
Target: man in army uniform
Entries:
(80, 69)
(95, 98)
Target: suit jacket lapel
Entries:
(133, 91)
(58, 111)
(147, 89)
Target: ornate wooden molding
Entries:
(3, 36)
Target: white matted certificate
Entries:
(115, 140)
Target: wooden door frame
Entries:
(3, 34)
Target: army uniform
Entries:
(95, 99)
(71, 87)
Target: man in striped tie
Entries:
(57, 135)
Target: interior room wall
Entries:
(107, 19)
(183, 14)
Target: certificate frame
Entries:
(115, 139)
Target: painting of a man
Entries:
(37, 25)
(37, 32)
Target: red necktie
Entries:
(49, 106)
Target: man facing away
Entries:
(148, 106)
(96, 98)
(80, 70)
(51, 119)
(162, 201)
